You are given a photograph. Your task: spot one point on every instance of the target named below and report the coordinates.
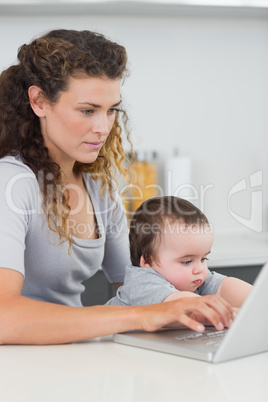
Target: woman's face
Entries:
(77, 126)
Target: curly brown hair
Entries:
(48, 62)
(148, 221)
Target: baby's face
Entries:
(182, 255)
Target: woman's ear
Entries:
(37, 100)
(143, 263)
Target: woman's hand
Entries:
(188, 311)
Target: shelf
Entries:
(127, 8)
(232, 250)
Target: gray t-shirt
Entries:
(28, 246)
(144, 286)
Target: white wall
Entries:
(198, 83)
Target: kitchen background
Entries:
(198, 83)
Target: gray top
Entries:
(143, 286)
(28, 246)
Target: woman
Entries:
(61, 218)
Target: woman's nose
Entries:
(101, 125)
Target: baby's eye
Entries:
(186, 262)
(204, 259)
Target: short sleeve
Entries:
(211, 284)
(142, 286)
(149, 287)
(17, 186)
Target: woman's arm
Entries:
(26, 321)
(234, 291)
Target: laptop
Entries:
(247, 335)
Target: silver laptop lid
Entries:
(247, 335)
(249, 332)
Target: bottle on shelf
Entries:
(143, 176)
(178, 172)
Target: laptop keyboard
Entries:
(209, 338)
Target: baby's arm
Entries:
(179, 295)
(234, 291)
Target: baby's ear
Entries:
(145, 264)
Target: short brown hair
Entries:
(148, 220)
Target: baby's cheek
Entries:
(179, 281)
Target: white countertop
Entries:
(239, 250)
(102, 371)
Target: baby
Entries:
(170, 240)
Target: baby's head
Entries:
(172, 236)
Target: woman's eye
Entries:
(87, 111)
(113, 111)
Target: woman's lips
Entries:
(94, 145)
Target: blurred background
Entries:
(198, 85)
